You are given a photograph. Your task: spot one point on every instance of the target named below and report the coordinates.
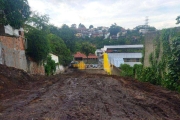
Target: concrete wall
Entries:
(12, 54)
(14, 58)
(149, 46)
(59, 69)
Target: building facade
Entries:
(122, 54)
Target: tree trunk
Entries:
(87, 59)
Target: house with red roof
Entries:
(82, 57)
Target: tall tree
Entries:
(39, 21)
(73, 26)
(16, 12)
(38, 45)
(91, 26)
(178, 19)
(87, 48)
(81, 26)
(67, 35)
(58, 47)
(114, 29)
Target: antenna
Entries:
(146, 23)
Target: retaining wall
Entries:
(12, 54)
(149, 46)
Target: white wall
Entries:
(116, 61)
(55, 58)
(117, 58)
(59, 69)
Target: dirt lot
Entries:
(77, 95)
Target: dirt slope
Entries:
(81, 96)
(12, 80)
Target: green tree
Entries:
(58, 47)
(38, 45)
(174, 64)
(54, 30)
(91, 26)
(81, 26)
(38, 21)
(67, 35)
(114, 29)
(178, 19)
(16, 12)
(73, 26)
(87, 48)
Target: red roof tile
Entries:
(81, 55)
(92, 56)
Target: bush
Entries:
(137, 69)
(126, 70)
(50, 66)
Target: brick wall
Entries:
(12, 54)
(16, 43)
(34, 68)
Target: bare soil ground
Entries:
(78, 95)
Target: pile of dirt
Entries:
(11, 80)
(78, 95)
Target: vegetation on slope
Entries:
(165, 62)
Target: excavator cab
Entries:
(74, 64)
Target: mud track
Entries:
(81, 96)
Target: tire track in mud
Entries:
(81, 96)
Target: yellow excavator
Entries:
(74, 64)
(80, 65)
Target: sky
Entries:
(125, 13)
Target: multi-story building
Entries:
(122, 54)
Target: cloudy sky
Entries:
(125, 13)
